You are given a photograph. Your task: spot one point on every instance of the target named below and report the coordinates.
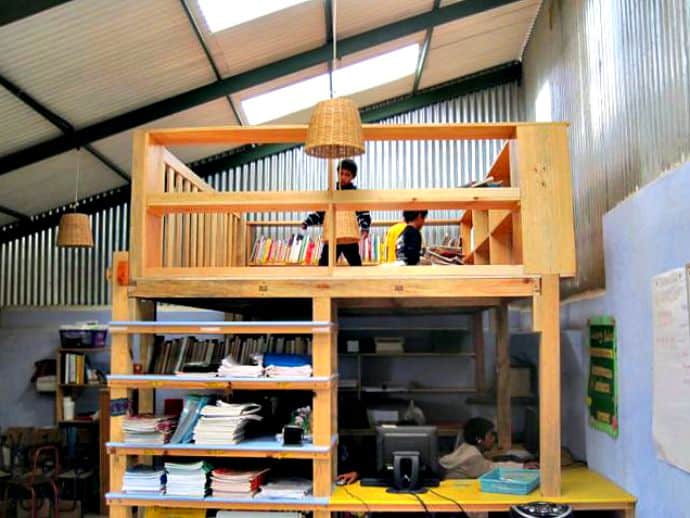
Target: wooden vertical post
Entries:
(146, 233)
(478, 342)
(145, 310)
(503, 395)
(120, 363)
(324, 408)
(103, 435)
(545, 319)
(332, 245)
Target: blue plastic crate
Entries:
(511, 481)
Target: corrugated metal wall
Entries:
(619, 71)
(34, 272)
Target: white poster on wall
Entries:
(671, 414)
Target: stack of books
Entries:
(224, 423)
(292, 488)
(143, 479)
(229, 368)
(230, 483)
(185, 479)
(149, 429)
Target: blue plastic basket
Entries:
(511, 481)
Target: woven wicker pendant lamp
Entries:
(335, 128)
(74, 230)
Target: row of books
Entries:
(188, 354)
(199, 479)
(75, 370)
(297, 249)
(372, 249)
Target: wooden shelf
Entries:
(411, 355)
(149, 381)
(84, 350)
(83, 385)
(265, 447)
(219, 328)
(503, 225)
(240, 504)
(423, 390)
(443, 430)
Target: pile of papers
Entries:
(185, 479)
(143, 479)
(229, 368)
(291, 488)
(287, 365)
(224, 423)
(149, 429)
(229, 483)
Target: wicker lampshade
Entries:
(75, 231)
(335, 130)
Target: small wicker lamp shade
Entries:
(335, 130)
(75, 231)
(346, 228)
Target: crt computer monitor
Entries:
(410, 454)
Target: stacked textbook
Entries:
(230, 483)
(290, 488)
(143, 479)
(224, 423)
(187, 479)
(148, 429)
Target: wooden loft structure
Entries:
(189, 241)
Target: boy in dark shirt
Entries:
(347, 171)
(408, 248)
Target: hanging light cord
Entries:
(76, 187)
(334, 63)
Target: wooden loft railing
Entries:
(182, 226)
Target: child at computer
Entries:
(468, 461)
(408, 247)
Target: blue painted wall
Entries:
(645, 235)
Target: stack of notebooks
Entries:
(229, 368)
(230, 483)
(143, 479)
(149, 429)
(224, 423)
(291, 488)
(191, 411)
(287, 365)
(185, 479)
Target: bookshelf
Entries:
(191, 242)
(122, 382)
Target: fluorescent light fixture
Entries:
(354, 78)
(221, 14)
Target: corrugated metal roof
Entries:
(478, 42)
(21, 126)
(5, 219)
(269, 38)
(356, 16)
(87, 60)
(50, 183)
(215, 113)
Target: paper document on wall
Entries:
(671, 419)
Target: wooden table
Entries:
(583, 489)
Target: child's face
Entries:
(419, 221)
(489, 440)
(345, 177)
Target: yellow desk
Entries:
(582, 488)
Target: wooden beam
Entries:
(431, 199)
(503, 408)
(220, 328)
(246, 201)
(380, 223)
(423, 287)
(189, 383)
(546, 319)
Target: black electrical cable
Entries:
(464, 513)
(357, 498)
(426, 509)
